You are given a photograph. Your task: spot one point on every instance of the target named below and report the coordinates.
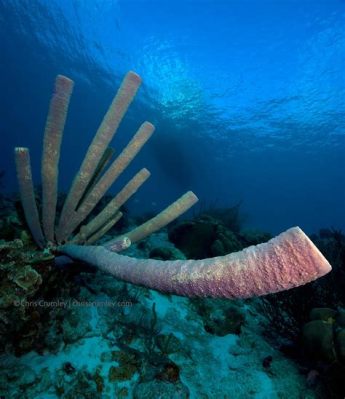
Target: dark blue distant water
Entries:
(248, 97)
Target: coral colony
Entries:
(284, 262)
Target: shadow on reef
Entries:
(308, 322)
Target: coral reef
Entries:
(204, 237)
(221, 318)
(213, 277)
(288, 311)
(231, 216)
(307, 322)
(129, 345)
(323, 340)
(152, 342)
(32, 291)
(20, 280)
(324, 335)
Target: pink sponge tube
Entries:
(286, 261)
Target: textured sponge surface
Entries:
(286, 261)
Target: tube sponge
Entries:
(51, 152)
(286, 261)
(27, 194)
(104, 135)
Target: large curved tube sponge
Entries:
(288, 260)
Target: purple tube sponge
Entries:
(286, 261)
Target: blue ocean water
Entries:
(248, 100)
(248, 97)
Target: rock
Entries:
(170, 373)
(27, 278)
(22, 375)
(76, 324)
(82, 386)
(121, 373)
(194, 239)
(254, 237)
(122, 393)
(160, 389)
(318, 340)
(9, 245)
(53, 340)
(340, 318)
(168, 343)
(325, 314)
(165, 253)
(340, 344)
(324, 336)
(128, 366)
(220, 317)
(204, 237)
(223, 321)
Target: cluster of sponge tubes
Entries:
(93, 179)
(286, 261)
